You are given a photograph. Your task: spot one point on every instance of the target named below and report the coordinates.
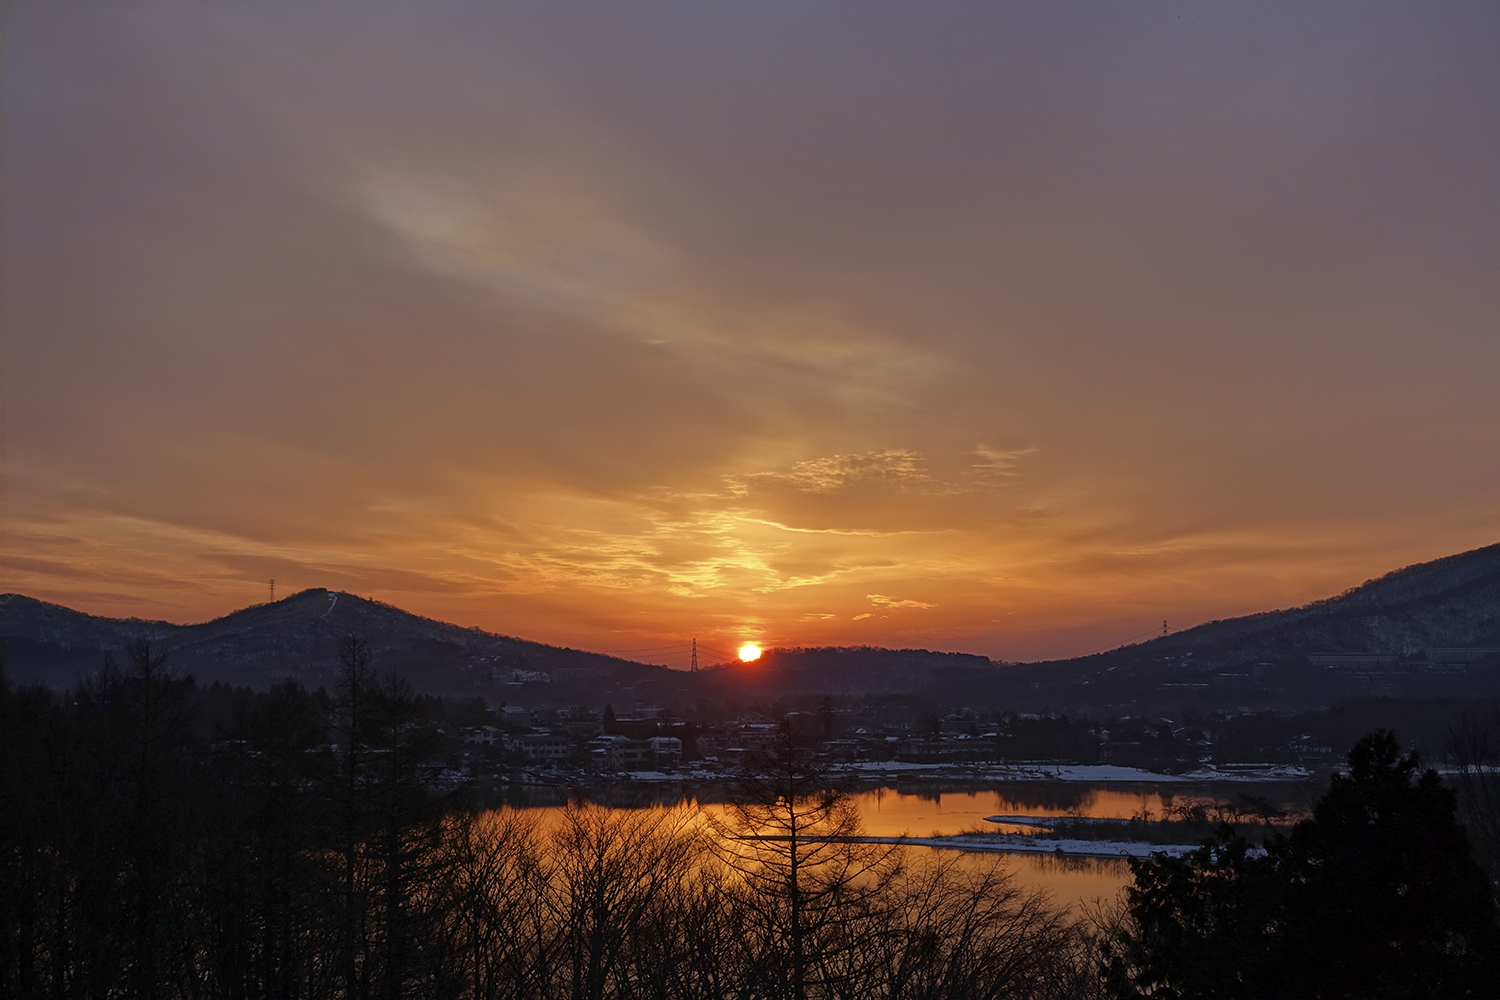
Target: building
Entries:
(621, 753)
(1355, 662)
(581, 728)
(1449, 655)
(486, 736)
(545, 746)
(752, 738)
(667, 750)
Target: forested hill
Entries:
(854, 671)
(298, 637)
(1449, 602)
(1453, 601)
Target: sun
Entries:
(749, 651)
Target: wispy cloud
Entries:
(895, 469)
(881, 601)
(537, 234)
(993, 462)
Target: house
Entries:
(580, 727)
(667, 750)
(545, 746)
(754, 738)
(621, 753)
(487, 736)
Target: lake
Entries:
(939, 809)
(920, 812)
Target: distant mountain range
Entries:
(1258, 660)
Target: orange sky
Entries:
(1012, 331)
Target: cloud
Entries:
(881, 601)
(998, 463)
(537, 233)
(897, 468)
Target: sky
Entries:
(1014, 329)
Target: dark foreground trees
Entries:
(299, 851)
(296, 850)
(1473, 752)
(1377, 895)
(816, 910)
(801, 868)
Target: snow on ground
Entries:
(1000, 843)
(1093, 773)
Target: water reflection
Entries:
(935, 812)
(945, 809)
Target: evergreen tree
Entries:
(1377, 895)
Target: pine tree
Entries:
(1376, 895)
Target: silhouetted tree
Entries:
(1472, 745)
(616, 874)
(956, 928)
(349, 724)
(1376, 895)
(828, 717)
(805, 877)
(33, 808)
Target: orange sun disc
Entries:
(749, 651)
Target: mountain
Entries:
(1266, 658)
(1261, 660)
(298, 637)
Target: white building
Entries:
(488, 736)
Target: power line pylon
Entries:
(1163, 626)
(694, 668)
(273, 590)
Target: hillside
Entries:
(298, 637)
(1263, 658)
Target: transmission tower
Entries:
(694, 668)
(273, 590)
(1163, 626)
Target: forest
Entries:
(305, 848)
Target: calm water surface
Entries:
(934, 811)
(920, 813)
